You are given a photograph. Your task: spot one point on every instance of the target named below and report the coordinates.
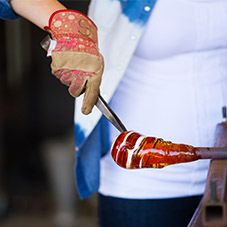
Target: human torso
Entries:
(174, 88)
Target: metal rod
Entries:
(211, 152)
(45, 43)
(109, 114)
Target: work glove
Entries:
(76, 60)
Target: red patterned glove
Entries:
(76, 61)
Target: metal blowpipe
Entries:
(216, 152)
(211, 152)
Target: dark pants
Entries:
(116, 212)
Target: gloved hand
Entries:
(76, 60)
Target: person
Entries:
(164, 76)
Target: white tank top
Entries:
(174, 88)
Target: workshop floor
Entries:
(40, 213)
(44, 221)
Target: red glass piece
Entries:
(132, 150)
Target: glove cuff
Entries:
(73, 24)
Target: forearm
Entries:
(36, 11)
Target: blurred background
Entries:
(37, 185)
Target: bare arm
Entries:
(36, 11)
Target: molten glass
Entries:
(132, 150)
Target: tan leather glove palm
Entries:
(76, 61)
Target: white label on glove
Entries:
(53, 44)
